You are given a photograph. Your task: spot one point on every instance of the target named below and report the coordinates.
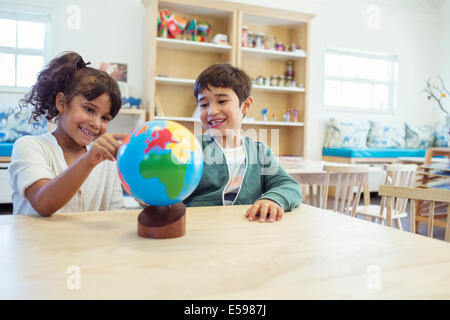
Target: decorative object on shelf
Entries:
(264, 114)
(259, 40)
(158, 106)
(274, 117)
(244, 37)
(287, 115)
(165, 157)
(267, 81)
(250, 40)
(169, 26)
(269, 44)
(279, 46)
(259, 80)
(220, 39)
(295, 115)
(274, 81)
(203, 29)
(281, 82)
(290, 73)
(133, 102)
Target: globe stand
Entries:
(162, 222)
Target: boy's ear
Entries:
(246, 105)
(60, 102)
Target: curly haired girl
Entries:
(64, 170)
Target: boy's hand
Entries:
(265, 209)
(104, 148)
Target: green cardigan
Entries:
(264, 178)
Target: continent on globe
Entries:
(161, 138)
(170, 174)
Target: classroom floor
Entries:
(439, 233)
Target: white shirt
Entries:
(40, 157)
(236, 166)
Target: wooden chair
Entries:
(345, 179)
(394, 197)
(312, 184)
(403, 175)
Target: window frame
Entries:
(392, 83)
(29, 14)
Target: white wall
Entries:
(412, 29)
(110, 31)
(408, 29)
(444, 47)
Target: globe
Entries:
(160, 163)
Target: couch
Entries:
(379, 142)
(14, 123)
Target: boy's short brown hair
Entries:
(224, 75)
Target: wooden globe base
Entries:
(163, 222)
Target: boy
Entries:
(237, 170)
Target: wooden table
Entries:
(310, 253)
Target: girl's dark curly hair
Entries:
(69, 74)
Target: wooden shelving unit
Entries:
(137, 112)
(173, 65)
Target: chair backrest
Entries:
(392, 197)
(312, 184)
(402, 175)
(345, 179)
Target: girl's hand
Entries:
(104, 148)
(265, 208)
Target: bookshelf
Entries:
(172, 65)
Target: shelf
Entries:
(192, 45)
(261, 123)
(134, 112)
(181, 81)
(182, 119)
(138, 112)
(274, 123)
(277, 89)
(274, 54)
(169, 80)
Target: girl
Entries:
(64, 170)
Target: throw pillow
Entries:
(346, 134)
(442, 135)
(15, 123)
(386, 135)
(419, 137)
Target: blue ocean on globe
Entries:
(160, 163)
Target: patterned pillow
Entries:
(442, 135)
(386, 135)
(419, 137)
(15, 123)
(346, 134)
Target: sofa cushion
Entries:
(346, 134)
(373, 153)
(442, 135)
(6, 149)
(386, 135)
(15, 123)
(419, 137)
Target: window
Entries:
(24, 45)
(359, 81)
